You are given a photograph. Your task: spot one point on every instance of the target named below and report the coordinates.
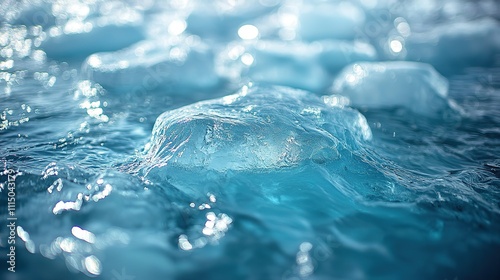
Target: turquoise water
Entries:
(250, 139)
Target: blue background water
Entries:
(420, 199)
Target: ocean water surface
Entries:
(238, 139)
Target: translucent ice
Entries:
(255, 129)
(177, 62)
(415, 86)
(296, 64)
(450, 47)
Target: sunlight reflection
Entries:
(248, 32)
(82, 234)
(396, 46)
(93, 265)
(177, 27)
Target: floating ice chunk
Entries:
(255, 129)
(80, 39)
(178, 62)
(295, 64)
(412, 85)
(453, 46)
(76, 29)
(291, 64)
(222, 19)
(330, 21)
(335, 55)
(37, 14)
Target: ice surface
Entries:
(452, 46)
(415, 86)
(295, 64)
(255, 129)
(173, 63)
